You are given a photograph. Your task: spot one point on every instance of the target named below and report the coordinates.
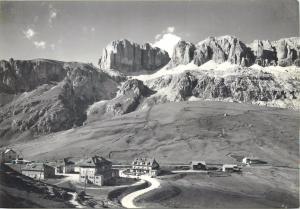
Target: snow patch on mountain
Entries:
(209, 66)
(167, 43)
(225, 69)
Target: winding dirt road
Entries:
(128, 200)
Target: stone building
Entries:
(65, 166)
(95, 170)
(198, 165)
(38, 171)
(8, 155)
(142, 166)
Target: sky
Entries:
(78, 31)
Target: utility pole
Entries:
(85, 180)
(41, 173)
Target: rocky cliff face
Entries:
(183, 53)
(129, 97)
(221, 49)
(25, 75)
(285, 52)
(246, 86)
(128, 57)
(43, 96)
(288, 51)
(264, 53)
(51, 103)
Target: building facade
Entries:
(95, 170)
(65, 166)
(8, 155)
(198, 165)
(38, 171)
(231, 168)
(145, 166)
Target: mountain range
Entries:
(41, 96)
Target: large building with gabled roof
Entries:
(38, 171)
(142, 166)
(65, 165)
(8, 155)
(95, 170)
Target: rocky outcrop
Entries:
(221, 49)
(285, 52)
(218, 49)
(264, 53)
(128, 57)
(56, 104)
(183, 54)
(129, 97)
(25, 75)
(288, 51)
(245, 86)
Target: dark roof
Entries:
(35, 167)
(67, 161)
(144, 161)
(8, 150)
(94, 162)
(63, 162)
(198, 162)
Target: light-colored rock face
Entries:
(285, 52)
(221, 49)
(264, 52)
(128, 57)
(183, 54)
(288, 51)
(243, 86)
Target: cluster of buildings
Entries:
(201, 165)
(94, 170)
(38, 171)
(98, 170)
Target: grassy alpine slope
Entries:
(178, 133)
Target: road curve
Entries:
(128, 200)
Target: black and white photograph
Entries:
(149, 104)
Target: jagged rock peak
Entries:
(129, 57)
(221, 49)
(284, 52)
(183, 53)
(229, 38)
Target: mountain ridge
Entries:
(42, 96)
(283, 52)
